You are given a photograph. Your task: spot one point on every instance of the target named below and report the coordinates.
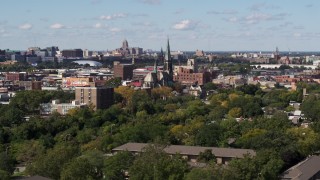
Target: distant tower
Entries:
(155, 66)
(133, 61)
(125, 44)
(277, 54)
(168, 61)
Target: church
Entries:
(160, 78)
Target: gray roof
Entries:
(189, 150)
(303, 170)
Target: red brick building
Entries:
(99, 97)
(188, 77)
(16, 76)
(123, 71)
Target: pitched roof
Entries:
(303, 170)
(132, 147)
(189, 150)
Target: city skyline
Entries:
(209, 25)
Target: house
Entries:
(195, 90)
(191, 153)
(306, 169)
(61, 108)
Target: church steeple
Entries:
(168, 60)
(155, 66)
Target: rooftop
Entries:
(306, 169)
(189, 150)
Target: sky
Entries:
(209, 25)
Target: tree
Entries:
(27, 151)
(77, 169)
(51, 164)
(310, 107)
(206, 156)
(266, 165)
(114, 82)
(306, 139)
(248, 89)
(126, 92)
(87, 166)
(116, 166)
(6, 163)
(154, 163)
(201, 173)
(161, 92)
(4, 175)
(210, 86)
(235, 112)
(209, 135)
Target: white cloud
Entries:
(57, 26)
(227, 12)
(185, 25)
(113, 16)
(232, 19)
(26, 26)
(98, 25)
(260, 6)
(115, 29)
(256, 18)
(259, 17)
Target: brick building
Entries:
(99, 97)
(30, 85)
(123, 71)
(16, 76)
(72, 53)
(188, 77)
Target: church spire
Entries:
(168, 54)
(168, 60)
(155, 66)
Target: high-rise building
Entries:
(99, 97)
(73, 53)
(123, 71)
(125, 44)
(168, 61)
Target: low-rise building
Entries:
(306, 169)
(191, 153)
(61, 108)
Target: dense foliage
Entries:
(77, 146)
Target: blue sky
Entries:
(215, 25)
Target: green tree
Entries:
(207, 156)
(114, 82)
(77, 169)
(209, 135)
(87, 166)
(154, 163)
(116, 166)
(51, 164)
(6, 163)
(201, 173)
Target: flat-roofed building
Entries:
(191, 153)
(123, 71)
(99, 97)
(61, 108)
